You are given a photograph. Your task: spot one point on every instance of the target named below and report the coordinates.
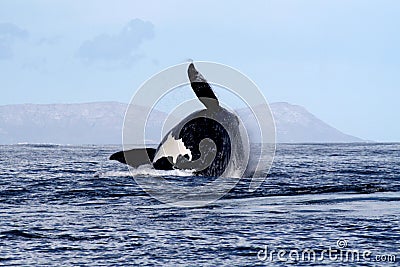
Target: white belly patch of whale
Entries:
(172, 148)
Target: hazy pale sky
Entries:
(340, 59)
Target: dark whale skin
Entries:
(204, 124)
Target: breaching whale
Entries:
(208, 141)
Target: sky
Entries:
(340, 59)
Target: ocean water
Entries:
(71, 206)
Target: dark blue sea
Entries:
(71, 206)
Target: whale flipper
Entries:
(135, 157)
(201, 88)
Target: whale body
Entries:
(208, 141)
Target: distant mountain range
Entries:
(294, 124)
(101, 123)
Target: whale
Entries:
(208, 141)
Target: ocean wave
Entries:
(145, 170)
(43, 145)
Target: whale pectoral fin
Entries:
(135, 157)
(201, 88)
